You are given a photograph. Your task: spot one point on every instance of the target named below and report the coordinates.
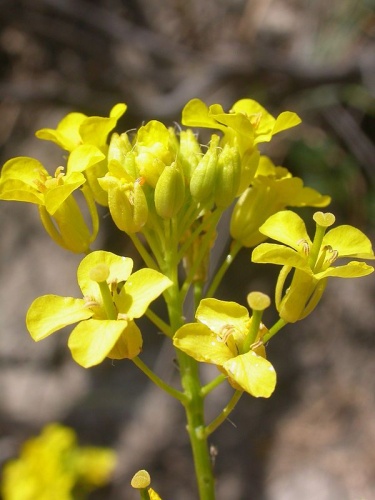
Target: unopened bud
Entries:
(118, 147)
(202, 184)
(128, 207)
(228, 176)
(169, 192)
(189, 153)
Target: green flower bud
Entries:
(189, 153)
(228, 176)
(119, 147)
(202, 184)
(150, 166)
(128, 205)
(170, 192)
(249, 214)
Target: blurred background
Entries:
(315, 438)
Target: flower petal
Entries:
(56, 196)
(83, 157)
(218, 315)
(351, 270)
(200, 343)
(196, 114)
(270, 253)
(253, 373)
(141, 289)
(285, 120)
(129, 344)
(50, 313)
(286, 227)
(349, 242)
(92, 340)
(119, 270)
(66, 135)
(18, 177)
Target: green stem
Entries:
(224, 414)
(194, 403)
(203, 251)
(158, 381)
(253, 331)
(159, 323)
(206, 389)
(317, 243)
(273, 330)
(235, 248)
(144, 494)
(108, 304)
(148, 260)
(196, 427)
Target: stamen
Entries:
(123, 316)
(225, 333)
(305, 246)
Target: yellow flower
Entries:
(77, 129)
(220, 337)
(272, 190)
(25, 179)
(112, 298)
(53, 462)
(247, 122)
(312, 260)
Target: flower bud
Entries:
(169, 192)
(189, 153)
(202, 184)
(228, 176)
(128, 205)
(150, 166)
(118, 147)
(249, 214)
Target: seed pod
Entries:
(170, 192)
(202, 184)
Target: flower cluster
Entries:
(161, 182)
(53, 462)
